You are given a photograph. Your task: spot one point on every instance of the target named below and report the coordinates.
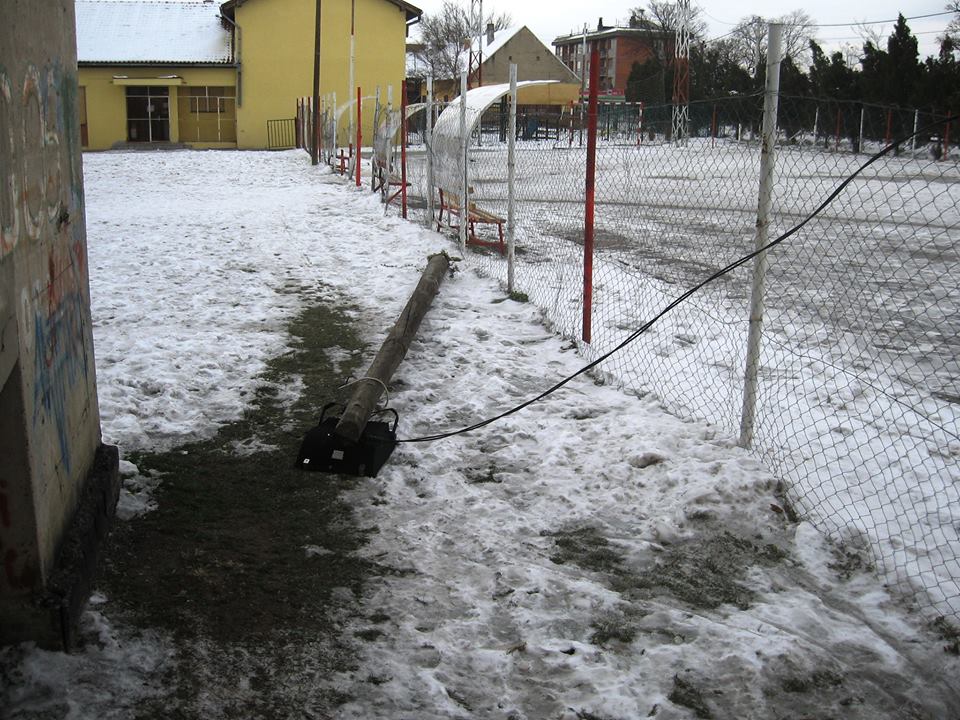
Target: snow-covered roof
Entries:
(500, 38)
(145, 31)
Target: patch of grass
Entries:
(688, 695)
(476, 476)
(817, 680)
(221, 562)
(949, 632)
(619, 624)
(851, 558)
(587, 548)
(704, 572)
(520, 297)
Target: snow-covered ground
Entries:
(589, 557)
(858, 377)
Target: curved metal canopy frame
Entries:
(447, 151)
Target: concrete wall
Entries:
(49, 419)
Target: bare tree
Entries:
(797, 34)
(952, 31)
(666, 14)
(445, 34)
(749, 42)
(749, 38)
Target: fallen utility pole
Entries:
(352, 444)
(372, 385)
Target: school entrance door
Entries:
(148, 114)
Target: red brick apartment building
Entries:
(620, 48)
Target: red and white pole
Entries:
(640, 123)
(590, 191)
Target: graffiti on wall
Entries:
(40, 204)
(37, 116)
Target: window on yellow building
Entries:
(207, 114)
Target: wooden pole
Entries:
(315, 128)
(371, 386)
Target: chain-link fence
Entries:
(858, 373)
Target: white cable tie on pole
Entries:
(386, 392)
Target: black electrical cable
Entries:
(682, 298)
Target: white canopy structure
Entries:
(448, 148)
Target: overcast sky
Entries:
(550, 18)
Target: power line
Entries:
(683, 297)
(882, 22)
(827, 25)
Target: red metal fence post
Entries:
(359, 134)
(640, 124)
(590, 188)
(403, 149)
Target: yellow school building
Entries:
(209, 75)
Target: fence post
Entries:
(836, 145)
(359, 132)
(512, 175)
(377, 117)
(916, 123)
(428, 143)
(589, 194)
(640, 124)
(315, 127)
(816, 123)
(764, 204)
(464, 194)
(403, 151)
(888, 135)
(863, 111)
(946, 139)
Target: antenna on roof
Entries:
(475, 61)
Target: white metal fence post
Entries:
(464, 194)
(511, 178)
(764, 204)
(428, 144)
(916, 122)
(377, 118)
(863, 111)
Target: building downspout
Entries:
(236, 58)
